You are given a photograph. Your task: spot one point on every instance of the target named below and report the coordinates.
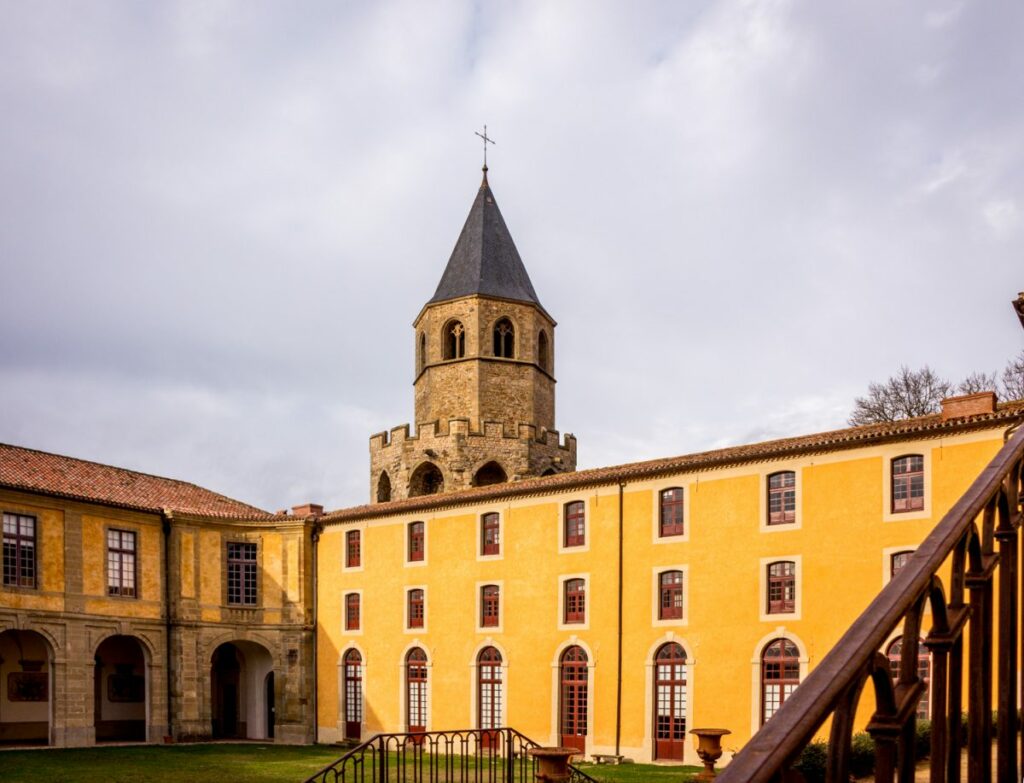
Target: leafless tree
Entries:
(978, 382)
(907, 394)
(1013, 379)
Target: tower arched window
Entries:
(504, 339)
(427, 479)
(383, 488)
(454, 340)
(543, 351)
(421, 353)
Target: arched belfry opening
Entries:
(384, 488)
(543, 351)
(491, 473)
(454, 340)
(504, 339)
(427, 479)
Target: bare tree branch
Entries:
(978, 382)
(907, 394)
(1013, 379)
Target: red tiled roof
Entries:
(923, 427)
(52, 474)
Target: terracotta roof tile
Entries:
(52, 474)
(852, 437)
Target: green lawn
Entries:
(228, 763)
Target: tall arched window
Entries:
(454, 340)
(421, 353)
(353, 664)
(573, 698)
(416, 690)
(670, 701)
(782, 497)
(489, 692)
(924, 670)
(780, 674)
(504, 339)
(908, 483)
(670, 512)
(543, 351)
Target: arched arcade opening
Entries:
(242, 691)
(120, 690)
(26, 676)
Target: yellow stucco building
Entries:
(488, 584)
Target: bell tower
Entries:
(484, 375)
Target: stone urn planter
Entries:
(709, 749)
(552, 763)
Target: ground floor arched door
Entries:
(26, 688)
(573, 699)
(119, 690)
(241, 691)
(670, 702)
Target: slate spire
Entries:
(485, 260)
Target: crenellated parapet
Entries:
(463, 456)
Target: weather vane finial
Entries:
(486, 142)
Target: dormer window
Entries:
(504, 339)
(454, 340)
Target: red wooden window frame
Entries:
(416, 541)
(352, 611)
(670, 595)
(353, 694)
(121, 563)
(908, 483)
(781, 587)
(415, 610)
(575, 601)
(573, 676)
(489, 688)
(670, 512)
(924, 671)
(782, 498)
(490, 601)
(897, 560)
(490, 534)
(416, 690)
(353, 549)
(574, 524)
(19, 550)
(780, 675)
(242, 588)
(670, 701)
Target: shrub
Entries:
(812, 761)
(923, 739)
(862, 755)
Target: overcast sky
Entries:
(219, 219)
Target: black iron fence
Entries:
(461, 756)
(979, 542)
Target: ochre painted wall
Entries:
(841, 541)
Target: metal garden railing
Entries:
(979, 541)
(461, 756)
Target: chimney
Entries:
(968, 405)
(307, 509)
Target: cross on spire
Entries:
(487, 141)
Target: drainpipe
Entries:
(315, 539)
(166, 514)
(618, 673)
